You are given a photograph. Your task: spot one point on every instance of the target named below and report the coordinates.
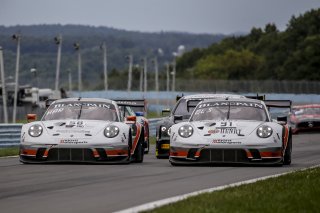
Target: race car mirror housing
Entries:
(282, 119)
(31, 117)
(132, 118)
(178, 117)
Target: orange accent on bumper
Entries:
(270, 154)
(179, 153)
(28, 152)
(249, 155)
(117, 152)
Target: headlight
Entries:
(185, 131)
(35, 130)
(264, 131)
(111, 131)
(165, 131)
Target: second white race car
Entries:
(231, 131)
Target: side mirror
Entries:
(132, 118)
(165, 112)
(31, 117)
(139, 113)
(282, 119)
(178, 117)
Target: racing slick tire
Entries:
(139, 152)
(288, 152)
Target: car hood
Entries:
(226, 129)
(75, 127)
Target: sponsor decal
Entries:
(79, 104)
(230, 103)
(229, 130)
(72, 141)
(75, 123)
(73, 131)
(225, 141)
(213, 131)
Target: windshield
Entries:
(229, 110)
(81, 110)
(306, 111)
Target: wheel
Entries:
(139, 152)
(288, 152)
(129, 146)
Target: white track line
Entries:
(156, 204)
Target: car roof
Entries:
(85, 99)
(235, 99)
(213, 96)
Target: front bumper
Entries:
(163, 148)
(218, 155)
(74, 154)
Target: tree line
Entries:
(292, 54)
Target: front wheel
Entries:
(139, 152)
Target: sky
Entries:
(194, 16)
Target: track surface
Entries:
(108, 188)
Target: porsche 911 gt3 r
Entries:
(137, 108)
(181, 112)
(231, 131)
(87, 130)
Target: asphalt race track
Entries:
(108, 188)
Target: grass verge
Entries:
(152, 140)
(12, 151)
(295, 192)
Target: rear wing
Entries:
(278, 103)
(258, 97)
(132, 103)
(137, 105)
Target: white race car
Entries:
(232, 131)
(89, 130)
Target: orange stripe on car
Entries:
(136, 139)
(271, 154)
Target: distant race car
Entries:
(137, 108)
(89, 130)
(305, 118)
(181, 111)
(232, 130)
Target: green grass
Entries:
(9, 151)
(153, 114)
(295, 192)
(152, 140)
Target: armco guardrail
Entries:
(153, 125)
(10, 135)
